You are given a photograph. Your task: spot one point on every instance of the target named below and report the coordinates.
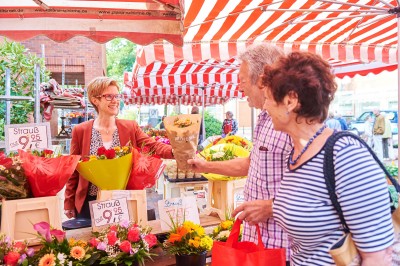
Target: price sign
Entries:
(27, 136)
(109, 211)
(177, 209)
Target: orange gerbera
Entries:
(48, 260)
(77, 253)
(180, 232)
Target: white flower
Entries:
(2, 168)
(61, 257)
(218, 154)
(223, 234)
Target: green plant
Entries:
(213, 125)
(21, 63)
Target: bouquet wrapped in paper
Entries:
(183, 133)
(47, 174)
(223, 152)
(13, 183)
(109, 169)
(147, 168)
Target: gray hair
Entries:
(259, 55)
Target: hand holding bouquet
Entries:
(109, 169)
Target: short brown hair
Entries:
(307, 75)
(97, 86)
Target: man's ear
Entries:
(291, 101)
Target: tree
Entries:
(121, 54)
(213, 125)
(21, 63)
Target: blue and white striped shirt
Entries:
(303, 207)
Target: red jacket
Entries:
(77, 186)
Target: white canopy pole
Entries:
(203, 102)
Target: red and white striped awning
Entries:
(140, 21)
(351, 69)
(364, 30)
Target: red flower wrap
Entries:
(47, 176)
(145, 171)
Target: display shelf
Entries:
(16, 98)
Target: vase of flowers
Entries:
(189, 243)
(125, 243)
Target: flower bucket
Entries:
(111, 174)
(192, 260)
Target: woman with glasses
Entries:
(108, 131)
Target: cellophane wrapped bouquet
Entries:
(47, 172)
(14, 253)
(146, 169)
(125, 243)
(109, 169)
(13, 182)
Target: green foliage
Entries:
(393, 170)
(21, 63)
(121, 54)
(213, 125)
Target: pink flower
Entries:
(125, 246)
(11, 258)
(151, 240)
(19, 247)
(94, 242)
(112, 238)
(58, 234)
(134, 234)
(43, 229)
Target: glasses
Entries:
(110, 97)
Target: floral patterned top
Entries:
(95, 143)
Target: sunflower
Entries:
(77, 253)
(48, 260)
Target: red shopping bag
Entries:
(235, 253)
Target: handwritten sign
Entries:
(238, 198)
(27, 136)
(109, 211)
(177, 209)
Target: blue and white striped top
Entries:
(303, 207)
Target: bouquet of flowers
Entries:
(47, 172)
(153, 132)
(13, 183)
(233, 139)
(14, 253)
(222, 231)
(109, 169)
(147, 168)
(124, 243)
(186, 239)
(222, 152)
(57, 250)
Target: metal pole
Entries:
(203, 102)
(63, 73)
(8, 94)
(398, 78)
(37, 94)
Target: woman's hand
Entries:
(70, 213)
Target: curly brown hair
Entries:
(308, 76)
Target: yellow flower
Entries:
(216, 230)
(92, 157)
(125, 149)
(200, 231)
(194, 243)
(48, 260)
(226, 224)
(206, 242)
(117, 149)
(77, 252)
(189, 226)
(71, 242)
(81, 243)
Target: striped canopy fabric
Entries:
(364, 30)
(140, 21)
(194, 100)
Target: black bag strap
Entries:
(329, 170)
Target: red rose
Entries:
(19, 247)
(134, 235)
(11, 259)
(112, 238)
(125, 246)
(113, 228)
(94, 242)
(4, 161)
(110, 154)
(151, 240)
(47, 152)
(101, 151)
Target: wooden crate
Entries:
(19, 216)
(137, 202)
(224, 196)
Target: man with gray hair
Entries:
(266, 164)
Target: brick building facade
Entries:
(83, 58)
